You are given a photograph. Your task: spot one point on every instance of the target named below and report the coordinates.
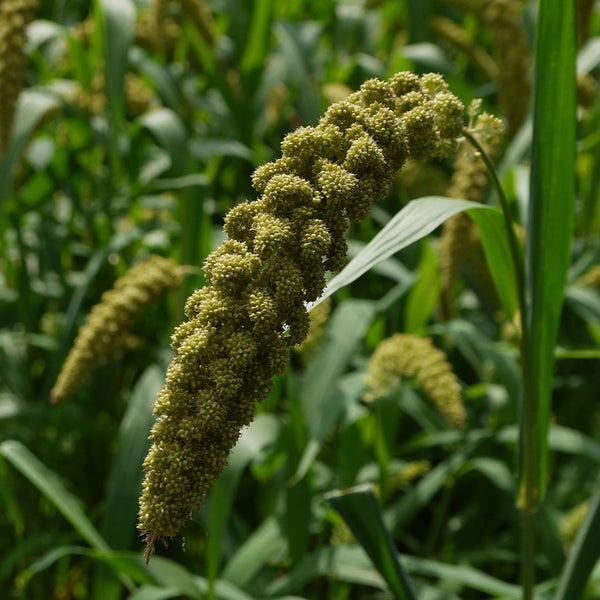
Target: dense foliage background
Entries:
(133, 136)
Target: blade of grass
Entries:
(550, 221)
(264, 543)
(350, 563)
(584, 554)
(48, 484)
(31, 108)
(321, 405)
(258, 36)
(118, 21)
(168, 128)
(498, 257)
(418, 11)
(262, 432)
(416, 220)
(360, 509)
(551, 208)
(124, 483)
(425, 294)
(399, 514)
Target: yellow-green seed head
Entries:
(274, 261)
(408, 356)
(469, 182)
(107, 326)
(15, 15)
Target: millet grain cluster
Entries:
(273, 261)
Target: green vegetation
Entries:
(437, 436)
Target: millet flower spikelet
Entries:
(108, 324)
(274, 261)
(15, 15)
(405, 355)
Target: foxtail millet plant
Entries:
(108, 324)
(15, 15)
(273, 262)
(409, 356)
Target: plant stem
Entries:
(528, 498)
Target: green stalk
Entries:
(527, 502)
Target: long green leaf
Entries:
(551, 208)
(416, 220)
(258, 35)
(398, 515)
(321, 405)
(360, 509)
(31, 108)
(262, 432)
(118, 21)
(48, 483)
(584, 554)
(125, 478)
(497, 253)
(262, 545)
(351, 564)
(424, 296)
(124, 483)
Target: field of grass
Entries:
(437, 436)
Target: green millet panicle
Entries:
(469, 182)
(591, 278)
(279, 247)
(15, 15)
(107, 326)
(319, 316)
(572, 522)
(405, 355)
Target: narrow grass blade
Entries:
(48, 484)
(31, 108)
(360, 509)
(416, 220)
(551, 209)
(125, 478)
(166, 126)
(350, 563)
(424, 296)
(264, 543)
(584, 554)
(322, 407)
(296, 52)
(497, 253)
(585, 302)
(124, 483)
(418, 11)
(150, 592)
(262, 432)
(258, 36)
(118, 20)
(398, 515)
